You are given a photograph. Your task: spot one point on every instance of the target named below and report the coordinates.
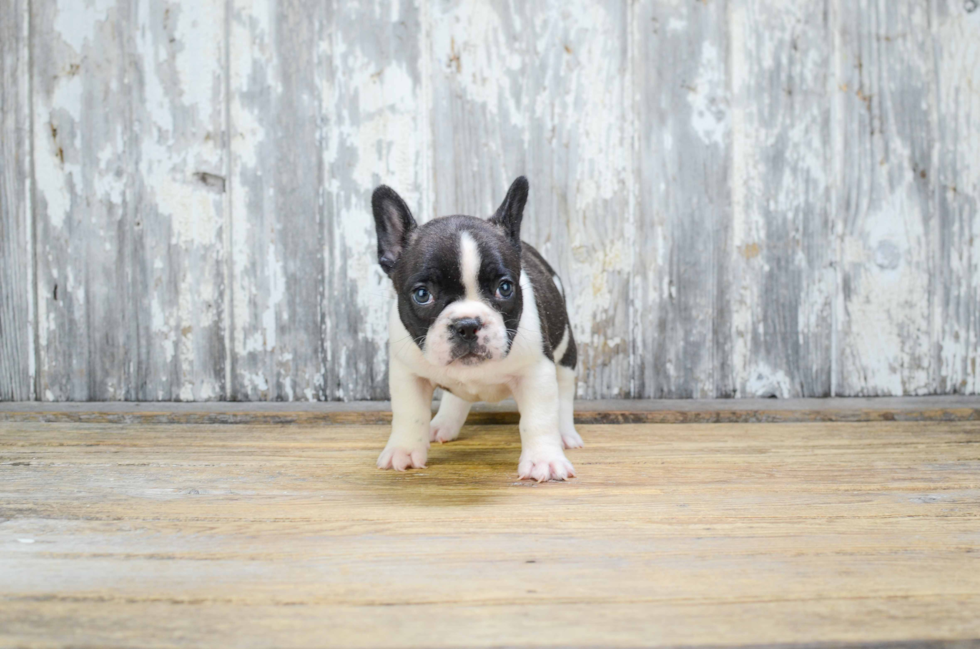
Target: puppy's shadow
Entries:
(475, 469)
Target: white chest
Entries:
(476, 391)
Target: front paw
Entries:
(544, 464)
(400, 458)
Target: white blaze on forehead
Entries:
(469, 264)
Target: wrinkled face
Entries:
(459, 295)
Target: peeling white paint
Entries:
(780, 189)
(388, 114)
(277, 290)
(764, 381)
(709, 97)
(471, 44)
(546, 91)
(76, 20)
(891, 349)
(54, 178)
(958, 95)
(198, 24)
(163, 324)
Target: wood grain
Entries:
(605, 411)
(17, 327)
(579, 156)
(755, 198)
(956, 191)
(782, 263)
(276, 217)
(515, 93)
(885, 174)
(480, 107)
(326, 105)
(683, 337)
(378, 134)
(129, 173)
(697, 535)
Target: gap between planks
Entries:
(610, 411)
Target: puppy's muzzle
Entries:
(465, 334)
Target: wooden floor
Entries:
(287, 536)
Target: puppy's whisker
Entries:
(519, 343)
(402, 339)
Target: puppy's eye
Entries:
(505, 290)
(421, 295)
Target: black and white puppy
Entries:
(481, 315)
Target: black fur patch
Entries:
(551, 306)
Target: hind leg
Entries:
(449, 420)
(566, 408)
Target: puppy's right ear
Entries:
(394, 223)
(511, 211)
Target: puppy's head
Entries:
(457, 277)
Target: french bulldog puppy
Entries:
(481, 315)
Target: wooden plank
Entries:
(277, 230)
(129, 166)
(17, 327)
(377, 114)
(884, 167)
(682, 326)
(783, 275)
(325, 106)
(607, 625)
(702, 535)
(956, 183)
(607, 411)
(511, 94)
(686, 204)
(480, 60)
(579, 157)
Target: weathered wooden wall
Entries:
(745, 197)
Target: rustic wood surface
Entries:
(277, 246)
(955, 313)
(744, 197)
(602, 411)
(782, 252)
(16, 234)
(684, 224)
(885, 56)
(129, 121)
(719, 535)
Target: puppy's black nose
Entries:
(466, 328)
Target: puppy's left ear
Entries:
(394, 223)
(511, 211)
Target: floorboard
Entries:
(780, 534)
(599, 411)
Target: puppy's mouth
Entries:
(470, 355)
